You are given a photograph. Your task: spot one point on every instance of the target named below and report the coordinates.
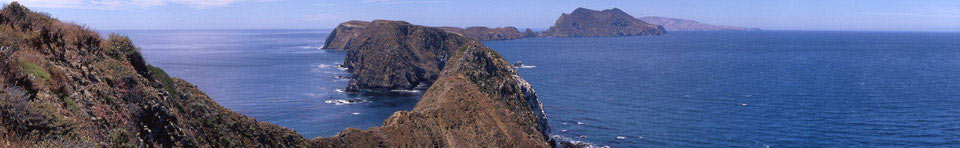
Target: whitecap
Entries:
(323, 66)
(621, 137)
(405, 91)
(526, 66)
(345, 102)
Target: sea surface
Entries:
(682, 89)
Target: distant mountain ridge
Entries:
(689, 25)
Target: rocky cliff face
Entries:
(476, 98)
(392, 55)
(689, 25)
(610, 22)
(494, 34)
(62, 85)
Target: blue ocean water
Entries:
(749, 89)
(683, 89)
(277, 76)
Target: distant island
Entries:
(584, 22)
(492, 34)
(689, 25)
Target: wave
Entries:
(413, 91)
(345, 102)
(323, 66)
(309, 47)
(526, 66)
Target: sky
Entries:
(851, 15)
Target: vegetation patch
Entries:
(34, 69)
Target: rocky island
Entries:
(475, 97)
(584, 22)
(63, 85)
(689, 25)
(492, 34)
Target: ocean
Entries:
(682, 89)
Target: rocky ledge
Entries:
(584, 22)
(475, 97)
(494, 34)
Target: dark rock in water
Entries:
(569, 144)
(689, 25)
(610, 22)
(488, 34)
(62, 85)
(476, 99)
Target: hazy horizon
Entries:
(296, 14)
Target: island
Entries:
(690, 25)
(63, 85)
(584, 22)
(492, 34)
(475, 97)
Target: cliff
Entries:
(494, 34)
(610, 22)
(476, 99)
(62, 85)
(689, 25)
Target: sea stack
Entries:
(475, 97)
(690, 25)
(584, 22)
(491, 34)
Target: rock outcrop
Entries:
(62, 85)
(476, 98)
(689, 25)
(494, 34)
(584, 22)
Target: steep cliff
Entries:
(689, 25)
(610, 22)
(62, 85)
(477, 99)
(494, 34)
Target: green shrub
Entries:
(34, 70)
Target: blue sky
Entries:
(861, 15)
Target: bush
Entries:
(34, 69)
